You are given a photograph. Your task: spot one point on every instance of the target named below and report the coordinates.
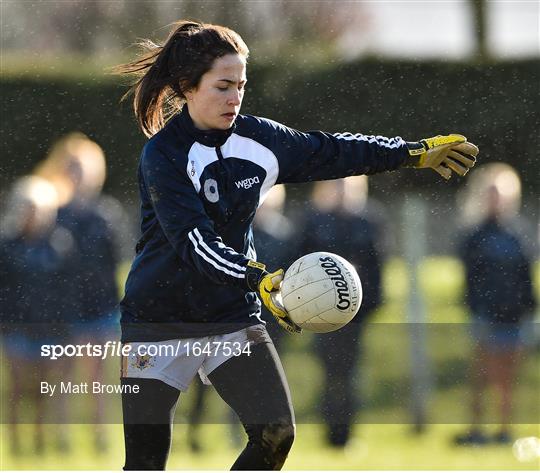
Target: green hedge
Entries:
(495, 105)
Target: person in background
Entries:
(497, 257)
(36, 264)
(344, 222)
(76, 167)
(276, 242)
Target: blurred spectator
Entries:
(497, 259)
(36, 264)
(76, 167)
(273, 234)
(345, 223)
(195, 414)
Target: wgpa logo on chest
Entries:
(247, 183)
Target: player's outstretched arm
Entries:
(444, 154)
(267, 285)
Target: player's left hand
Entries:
(444, 154)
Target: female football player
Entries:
(195, 279)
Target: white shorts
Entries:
(176, 362)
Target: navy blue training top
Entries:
(199, 192)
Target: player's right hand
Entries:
(268, 287)
(444, 154)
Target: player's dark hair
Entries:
(165, 72)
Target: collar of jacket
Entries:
(213, 138)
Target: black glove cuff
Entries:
(415, 148)
(254, 273)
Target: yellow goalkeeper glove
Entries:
(444, 154)
(267, 285)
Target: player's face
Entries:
(216, 102)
